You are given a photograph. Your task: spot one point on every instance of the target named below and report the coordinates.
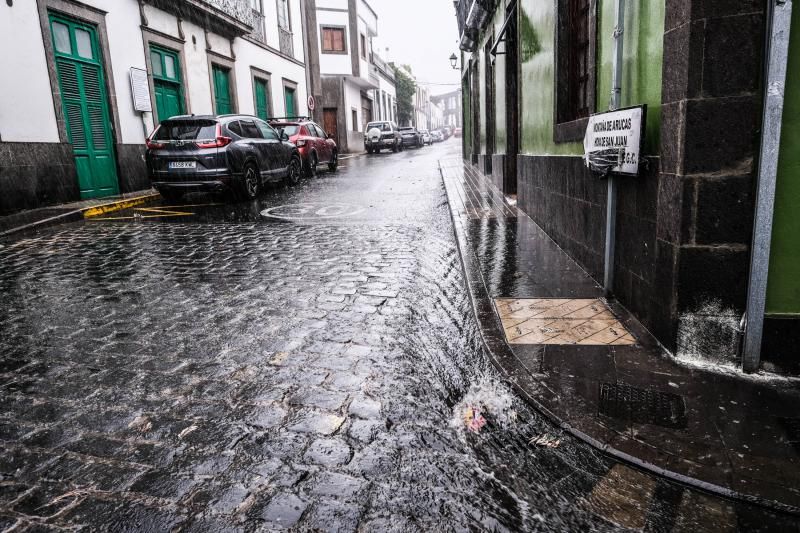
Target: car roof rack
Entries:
(278, 119)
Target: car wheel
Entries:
(250, 184)
(333, 164)
(311, 168)
(395, 149)
(295, 167)
(171, 195)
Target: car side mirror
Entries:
(284, 136)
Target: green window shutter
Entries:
(222, 90)
(262, 99)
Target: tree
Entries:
(406, 88)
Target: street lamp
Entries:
(454, 62)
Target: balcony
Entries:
(259, 32)
(373, 75)
(286, 40)
(472, 15)
(231, 18)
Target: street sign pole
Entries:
(779, 25)
(611, 204)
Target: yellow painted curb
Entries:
(99, 210)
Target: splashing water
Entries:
(709, 335)
(487, 401)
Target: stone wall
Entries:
(36, 174)
(711, 118)
(132, 169)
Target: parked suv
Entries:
(219, 153)
(380, 135)
(411, 137)
(427, 138)
(314, 145)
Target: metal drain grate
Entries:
(643, 406)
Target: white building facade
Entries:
(450, 103)
(353, 84)
(70, 105)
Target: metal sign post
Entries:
(777, 57)
(616, 91)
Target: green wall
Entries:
(644, 34)
(783, 289)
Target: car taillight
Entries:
(219, 142)
(153, 145)
(301, 142)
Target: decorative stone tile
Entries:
(560, 321)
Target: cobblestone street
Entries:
(230, 371)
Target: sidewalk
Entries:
(61, 214)
(599, 375)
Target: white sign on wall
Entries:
(140, 90)
(613, 141)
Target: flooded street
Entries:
(308, 360)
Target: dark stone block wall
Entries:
(711, 97)
(565, 200)
(36, 174)
(132, 168)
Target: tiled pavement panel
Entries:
(560, 321)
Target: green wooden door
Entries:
(222, 90)
(291, 110)
(167, 83)
(85, 103)
(262, 98)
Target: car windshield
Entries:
(406, 130)
(186, 130)
(383, 126)
(290, 130)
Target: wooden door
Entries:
(331, 123)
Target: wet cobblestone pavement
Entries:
(228, 371)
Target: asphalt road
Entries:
(309, 360)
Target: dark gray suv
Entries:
(239, 153)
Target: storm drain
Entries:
(791, 426)
(642, 406)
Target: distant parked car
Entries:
(380, 135)
(411, 136)
(313, 143)
(219, 153)
(437, 136)
(447, 132)
(426, 137)
(457, 133)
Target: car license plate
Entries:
(183, 164)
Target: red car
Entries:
(315, 146)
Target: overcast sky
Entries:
(422, 34)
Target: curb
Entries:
(83, 213)
(499, 351)
(98, 210)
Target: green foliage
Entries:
(528, 38)
(406, 87)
